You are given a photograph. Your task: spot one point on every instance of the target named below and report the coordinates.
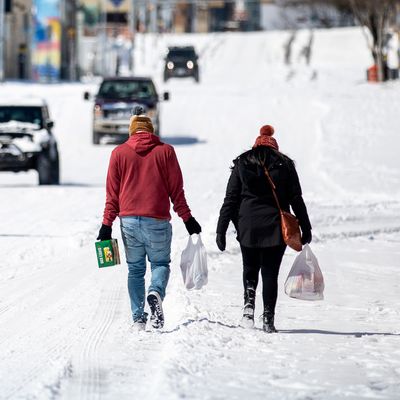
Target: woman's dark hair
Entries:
(263, 155)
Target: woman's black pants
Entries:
(268, 260)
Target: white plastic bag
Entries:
(194, 264)
(305, 280)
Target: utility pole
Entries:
(79, 35)
(153, 16)
(104, 38)
(133, 33)
(2, 16)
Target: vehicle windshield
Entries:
(32, 115)
(182, 53)
(126, 89)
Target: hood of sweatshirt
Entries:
(143, 142)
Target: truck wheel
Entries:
(55, 171)
(158, 130)
(197, 77)
(48, 169)
(96, 138)
(165, 77)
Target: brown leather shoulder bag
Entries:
(289, 223)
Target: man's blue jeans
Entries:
(152, 237)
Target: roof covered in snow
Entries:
(22, 101)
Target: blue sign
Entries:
(116, 3)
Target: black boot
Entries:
(157, 313)
(249, 305)
(268, 321)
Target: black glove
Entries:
(306, 237)
(105, 232)
(221, 241)
(192, 226)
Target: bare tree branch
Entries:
(374, 15)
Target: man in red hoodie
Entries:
(143, 176)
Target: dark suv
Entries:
(114, 102)
(181, 62)
(27, 141)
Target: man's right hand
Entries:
(192, 226)
(105, 232)
(221, 241)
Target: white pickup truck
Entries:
(27, 141)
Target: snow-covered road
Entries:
(64, 324)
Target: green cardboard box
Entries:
(107, 253)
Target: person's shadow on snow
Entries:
(193, 321)
(290, 331)
(322, 332)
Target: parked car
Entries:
(27, 141)
(181, 62)
(114, 102)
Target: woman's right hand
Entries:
(221, 241)
(306, 237)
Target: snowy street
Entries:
(64, 324)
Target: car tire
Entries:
(166, 77)
(96, 138)
(48, 169)
(197, 77)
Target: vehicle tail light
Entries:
(98, 113)
(152, 113)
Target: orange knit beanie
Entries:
(265, 138)
(140, 123)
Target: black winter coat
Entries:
(249, 202)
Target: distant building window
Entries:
(7, 6)
(117, 18)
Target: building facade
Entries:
(217, 16)
(40, 40)
(17, 49)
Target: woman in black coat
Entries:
(249, 203)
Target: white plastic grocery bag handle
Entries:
(198, 238)
(190, 240)
(309, 260)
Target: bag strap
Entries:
(273, 187)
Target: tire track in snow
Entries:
(47, 352)
(88, 381)
(35, 292)
(356, 234)
(4, 309)
(341, 222)
(30, 376)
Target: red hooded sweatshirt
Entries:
(143, 175)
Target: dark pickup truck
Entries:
(114, 102)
